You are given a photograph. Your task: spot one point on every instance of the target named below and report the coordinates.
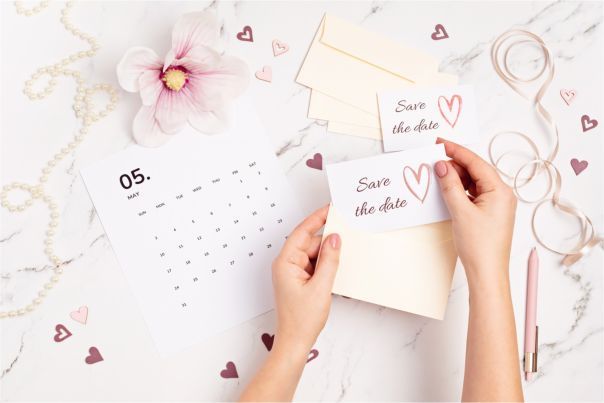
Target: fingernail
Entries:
(440, 168)
(334, 241)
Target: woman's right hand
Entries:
(483, 218)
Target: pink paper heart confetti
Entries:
(61, 334)
(439, 33)
(587, 123)
(246, 35)
(312, 355)
(81, 315)
(568, 95)
(315, 162)
(94, 356)
(450, 109)
(279, 47)
(578, 166)
(416, 186)
(268, 341)
(230, 371)
(266, 74)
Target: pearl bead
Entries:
(3, 315)
(54, 279)
(42, 293)
(12, 314)
(48, 286)
(30, 307)
(37, 301)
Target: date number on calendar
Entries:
(135, 177)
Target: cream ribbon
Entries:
(587, 238)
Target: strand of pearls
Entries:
(84, 110)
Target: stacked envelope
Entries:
(407, 269)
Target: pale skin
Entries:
(482, 210)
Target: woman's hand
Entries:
(303, 299)
(483, 221)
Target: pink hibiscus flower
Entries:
(193, 84)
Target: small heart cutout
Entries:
(439, 33)
(266, 74)
(315, 162)
(268, 340)
(578, 166)
(62, 333)
(312, 355)
(246, 34)
(94, 356)
(81, 315)
(279, 47)
(230, 371)
(568, 95)
(587, 123)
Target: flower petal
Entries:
(172, 109)
(145, 129)
(192, 29)
(150, 86)
(209, 122)
(213, 88)
(134, 62)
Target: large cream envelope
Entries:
(347, 65)
(409, 269)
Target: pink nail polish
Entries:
(440, 168)
(334, 240)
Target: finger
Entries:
(483, 174)
(327, 263)
(302, 235)
(454, 194)
(315, 245)
(468, 183)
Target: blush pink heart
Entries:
(312, 355)
(94, 356)
(268, 341)
(578, 166)
(315, 162)
(266, 74)
(230, 371)
(416, 186)
(568, 95)
(279, 47)
(587, 123)
(450, 109)
(246, 34)
(62, 333)
(81, 315)
(439, 33)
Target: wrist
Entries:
(291, 347)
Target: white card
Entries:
(389, 191)
(195, 225)
(415, 116)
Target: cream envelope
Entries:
(410, 269)
(347, 65)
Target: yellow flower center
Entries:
(174, 79)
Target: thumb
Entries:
(452, 189)
(327, 263)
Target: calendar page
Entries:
(195, 225)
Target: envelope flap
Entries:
(376, 49)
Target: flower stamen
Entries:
(174, 79)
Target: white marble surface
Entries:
(366, 352)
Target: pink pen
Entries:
(530, 325)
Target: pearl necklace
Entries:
(84, 110)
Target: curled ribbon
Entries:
(500, 50)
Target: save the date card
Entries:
(416, 116)
(389, 191)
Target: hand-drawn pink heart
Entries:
(450, 110)
(81, 315)
(416, 187)
(315, 162)
(568, 95)
(279, 47)
(266, 74)
(578, 166)
(230, 371)
(62, 333)
(312, 355)
(246, 35)
(439, 32)
(94, 356)
(588, 123)
(268, 340)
